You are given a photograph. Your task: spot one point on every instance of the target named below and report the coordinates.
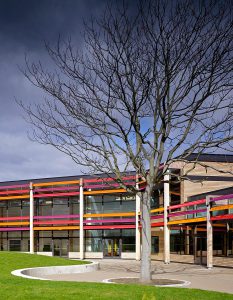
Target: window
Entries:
(93, 204)
(94, 245)
(154, 244)
(14, 245)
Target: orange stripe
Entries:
(157, 210)
(14, 197)
(57, 228)
(140, 182)
(13, 223)
(110, 215)
(56, 183)
(187, 221)
(175, 193)
(222, 207)
(104, 192)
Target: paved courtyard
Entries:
(217, 279)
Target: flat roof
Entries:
(61, 178)
(205, 157)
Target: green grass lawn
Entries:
(13, 287)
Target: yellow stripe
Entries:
(13, 223)
(157, 210)
(219, 225)
(187, 221)
(104, 192)
(14, 197)
(221, 207)
(57, 228)
(56, 183)
(110, 215)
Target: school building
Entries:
(93, 217)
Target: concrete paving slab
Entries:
(216, 279)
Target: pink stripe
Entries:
(187, 204)
(14, 229)
(188, 212)
(56, 217)
(13, 186)
(65, 188)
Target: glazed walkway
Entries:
(217, 279)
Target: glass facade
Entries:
(60, 242)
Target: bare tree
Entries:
(150, 86)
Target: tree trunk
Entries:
(145, 275)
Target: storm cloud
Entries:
(24, 27)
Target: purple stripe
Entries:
(71, 188)
(14, 229)
(128, 220)
(157, 217)
(188, 212)
(56, 217)
(105, 185)
(222, 198)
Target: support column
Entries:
(166, 201)
(81, 209)
(187, 241)
(31, 219)
(137, 229)
(209, 228)
(195, 243)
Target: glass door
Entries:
(60, 247)
(112, 247)
(64, 248)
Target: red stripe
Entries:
(222, 217)
(159, 224)
(187, 204)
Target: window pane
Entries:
(94, 245)
(154, 244)
(14, 245)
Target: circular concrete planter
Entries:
(35, 273)
(181, 283)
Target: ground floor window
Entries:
(94, 244)
(154, 244)
(177, 242)
(115, 241)
(15, 245)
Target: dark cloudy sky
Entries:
(24, 26)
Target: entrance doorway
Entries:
(112, 247)
(201, 245)
(60, 247)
